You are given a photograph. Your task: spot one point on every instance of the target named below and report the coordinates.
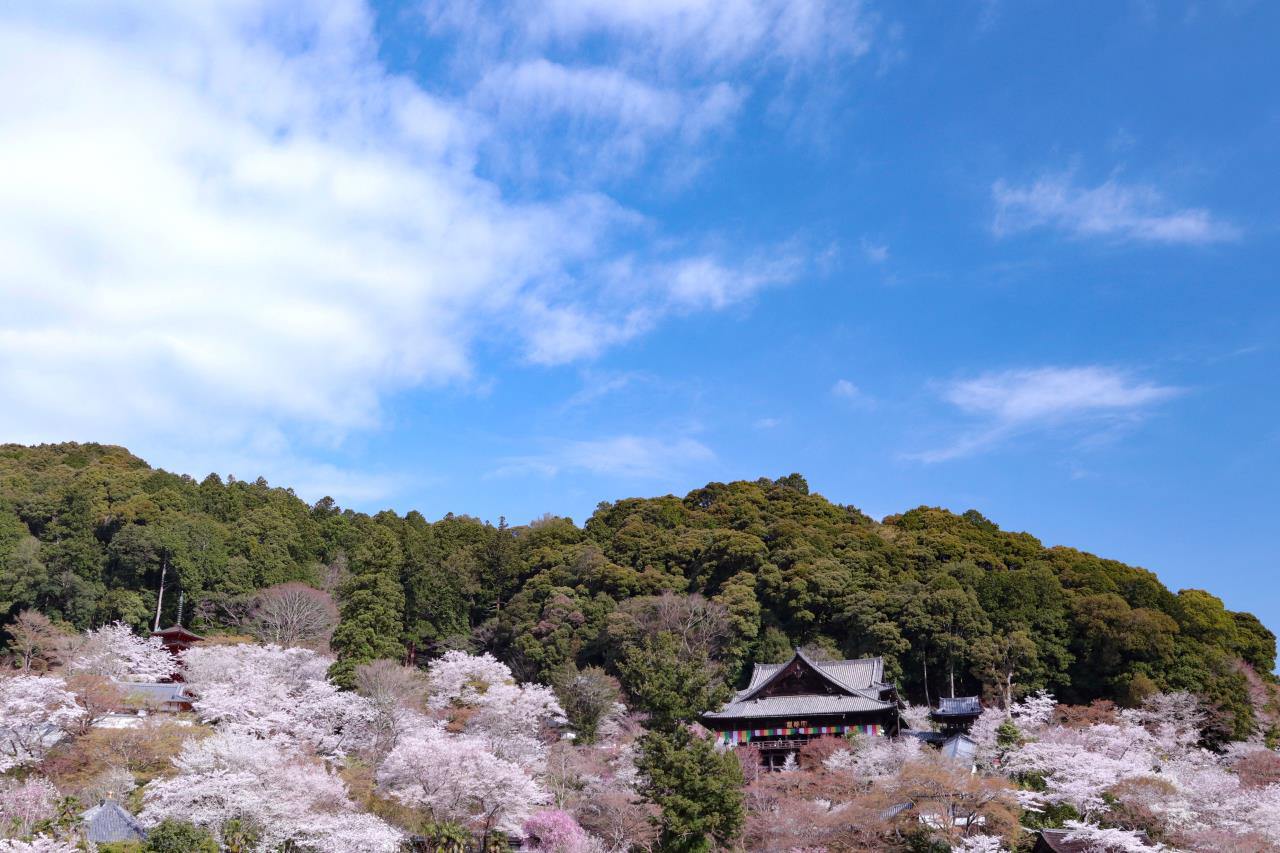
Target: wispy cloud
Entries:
(627, 456)
(876, 253)
(846, 389)
(633, 295)
(597, 385)
(626, 81)
(1014, 402)
(1111, 210)
(843, 389)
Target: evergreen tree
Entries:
(372, 605)
(698, 789)
(176, 836)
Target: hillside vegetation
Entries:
(86, 530)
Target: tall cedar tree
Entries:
(698, 789)
(372, 603)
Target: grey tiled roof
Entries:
(961, 748)
(859, 678)
(153, 693)
(856, 676)
(958, 706)
(788, 706)
(109, 822)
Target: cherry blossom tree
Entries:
(35, 712)
(917, 717)
(39, 844)
(275, 692)
(267, 785)
(873, 758)
(116, 652)
(25, 804)
(979, 844)
(457, 678)
(1175, 720)
(1079, 765)
(509, 717)
(555, 831)
(457, 778)
(1109, 840)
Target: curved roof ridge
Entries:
(765, 674)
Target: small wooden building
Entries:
(957, 713)
(788, 704)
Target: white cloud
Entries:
(768, 423)
(610, 117)
(667, 35)
(624, 81)
(225, 227)
(846, 390)
(1111, 210)
(629, 456)
(1014, 402)
(876, 253)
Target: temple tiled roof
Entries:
(855, 676)
(961, 748)
(860, 679)
(788, 706)
(154, 693)
(958, 706)
(109, 822)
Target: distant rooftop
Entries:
(109, 822)
(858, 682)
(958, 706)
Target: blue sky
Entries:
(509, 259)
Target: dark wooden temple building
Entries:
(956, 714)
(788, 704)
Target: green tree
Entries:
(672, 686)
(999, 658)
(372, 605)
(587, 696)
(177, 836)
(698, 789)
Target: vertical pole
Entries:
(164, 566)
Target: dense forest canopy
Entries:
(952, 602)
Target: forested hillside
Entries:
(86, 530)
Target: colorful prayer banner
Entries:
(736, 738)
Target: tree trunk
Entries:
(164, 566)
(924, 660)
(951, 664)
